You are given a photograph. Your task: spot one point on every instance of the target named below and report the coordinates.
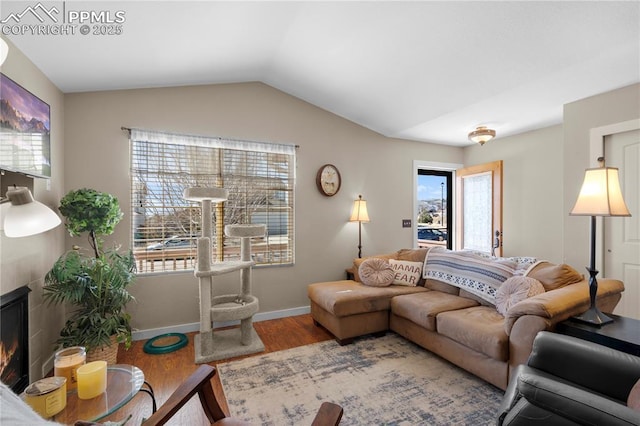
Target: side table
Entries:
(622, 334)
(123, 383)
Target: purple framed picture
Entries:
(25, 126)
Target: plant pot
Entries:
(107, 353)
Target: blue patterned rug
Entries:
(378, 381)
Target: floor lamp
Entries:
(359, 214)
(600, 195)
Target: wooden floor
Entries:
(165, 372)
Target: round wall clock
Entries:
(328, 180)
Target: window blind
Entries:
(259, 176)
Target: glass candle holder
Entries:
(66, 364)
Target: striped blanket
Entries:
(477, 273)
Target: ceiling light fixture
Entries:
(482, 134)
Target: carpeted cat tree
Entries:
(211, 345)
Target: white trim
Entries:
(195, 326)
(430, 165)
(596, 149)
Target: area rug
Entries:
(378, 381)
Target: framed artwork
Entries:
(25, 126)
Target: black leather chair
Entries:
(568, 381)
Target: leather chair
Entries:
(568, 381)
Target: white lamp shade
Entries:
(600, 194)
(359, 212)
(25, 216)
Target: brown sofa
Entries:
(454, 323)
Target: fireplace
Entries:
(14, 339)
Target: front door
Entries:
(479, 208)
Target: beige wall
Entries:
(378, 168)
(532, 190)
(579, 118)
(25, 261)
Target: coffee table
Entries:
(123, 383)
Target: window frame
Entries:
(263, 173)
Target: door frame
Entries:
(431, 165)
(596, 149)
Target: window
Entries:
(434, 208)
(260, 178)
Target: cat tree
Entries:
(213, 345)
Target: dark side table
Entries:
(622, 334)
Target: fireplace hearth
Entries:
(14, 339)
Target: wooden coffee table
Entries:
(123, 383)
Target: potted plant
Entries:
(95, 282)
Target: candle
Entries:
(67, 362)
(92, 379)
(47, 396)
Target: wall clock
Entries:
(328, 180)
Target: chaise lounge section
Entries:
(454, 322)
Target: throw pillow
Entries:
(554, 276)
(376, 272)
(633, 401)
(514, 290)
(357, 262)
(406, 273)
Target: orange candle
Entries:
(92, 379)
(67, 362)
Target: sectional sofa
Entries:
(450, 319)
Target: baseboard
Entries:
(188, 328)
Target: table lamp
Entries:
(600, 195)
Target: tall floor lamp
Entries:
(359, 214)
(600, 195)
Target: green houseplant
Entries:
(94, 282)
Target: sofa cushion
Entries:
(440, 286)
(422, 308)
(406, 272)
(480, 328)
(480, 275)
(347, 297)
(376, 272)
(554, 276)
(412, 255)
(515, 290)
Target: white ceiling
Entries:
(427, 71)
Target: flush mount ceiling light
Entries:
(481, 135)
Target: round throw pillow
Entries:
(376, 272)
(514, 290)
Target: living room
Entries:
(543, 170)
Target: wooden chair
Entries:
(199, 383)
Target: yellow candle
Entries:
(47, 396)
(92, 379)
(67, 362)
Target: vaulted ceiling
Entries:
(428, 71)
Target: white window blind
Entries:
(260, 178)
